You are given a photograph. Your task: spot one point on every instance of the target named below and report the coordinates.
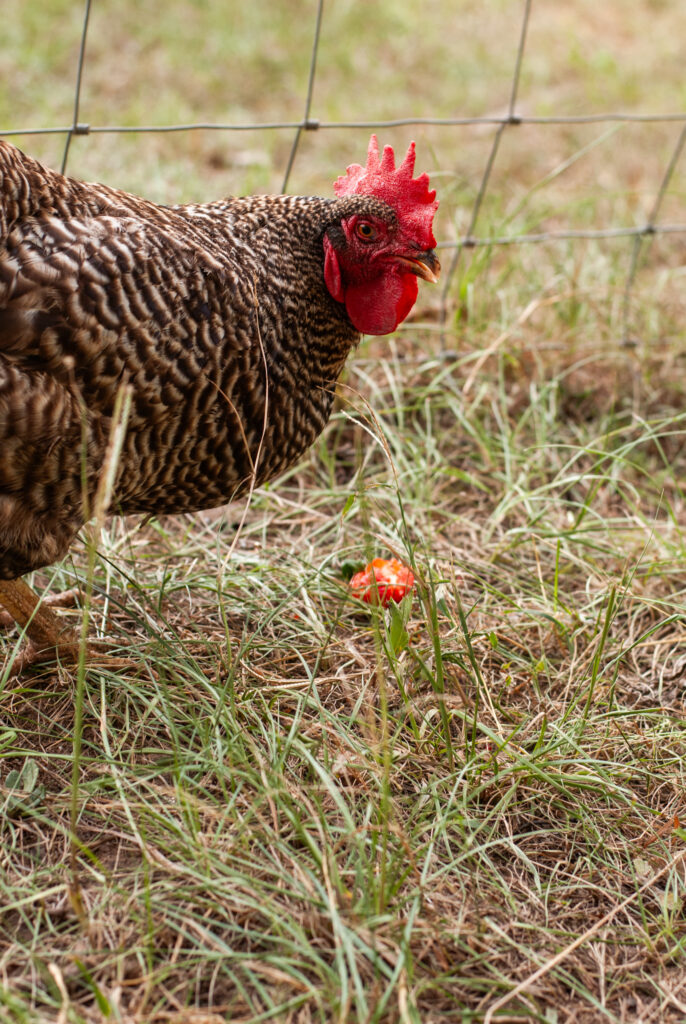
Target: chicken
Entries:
(227, 322)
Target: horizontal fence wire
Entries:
(314, 124)
(509, 121)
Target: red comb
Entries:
(411, 198)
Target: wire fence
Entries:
(508, 122)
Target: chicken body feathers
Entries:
(216, 315)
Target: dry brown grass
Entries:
(295, 811)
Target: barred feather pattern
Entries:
(216, 315)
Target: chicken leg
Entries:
(48, 637)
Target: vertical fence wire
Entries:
(649, 231)
(76, 127)
(495, 146)
(306, 123)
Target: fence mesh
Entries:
(512, 119)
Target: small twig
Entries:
(58, 978)
(584, 937)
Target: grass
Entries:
(274, 804)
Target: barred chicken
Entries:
(227, 322)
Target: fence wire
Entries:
(495, 146)
(510, 120)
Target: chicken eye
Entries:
(365, 231)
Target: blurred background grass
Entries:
(182, 61)
(190, 62)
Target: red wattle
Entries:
(377, 307)
(332, 271)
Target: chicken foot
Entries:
(63, 599)
(47, 636)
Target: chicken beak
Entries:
(424, 265)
